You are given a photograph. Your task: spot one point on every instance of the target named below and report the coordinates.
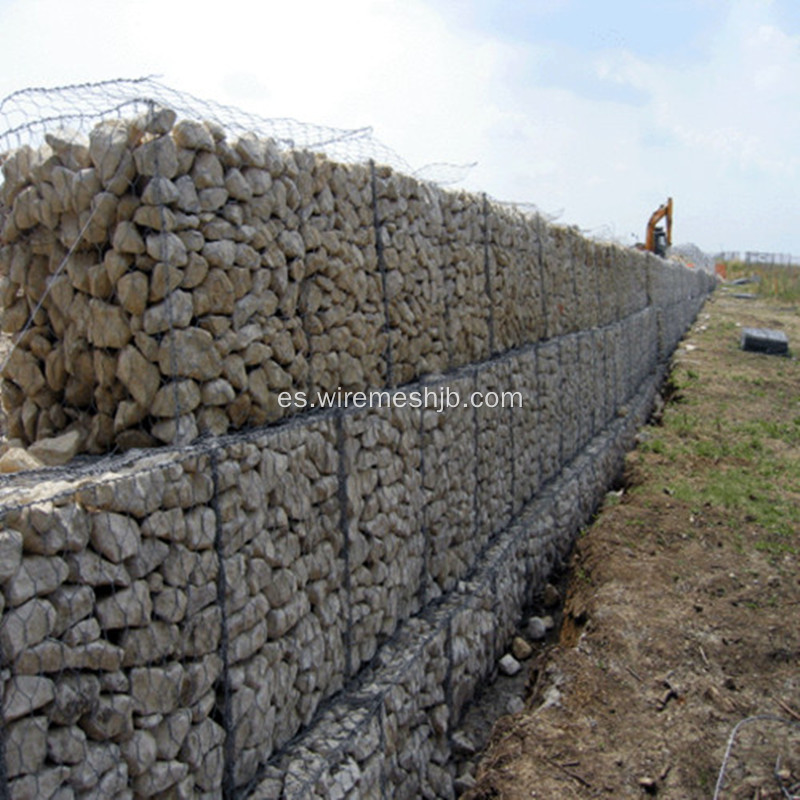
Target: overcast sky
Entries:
(593, 111)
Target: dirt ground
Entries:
(682, 611)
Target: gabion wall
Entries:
(173, 620)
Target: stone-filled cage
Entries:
(242, 559)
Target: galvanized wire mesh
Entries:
(172, 620)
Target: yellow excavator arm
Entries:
(657, 239)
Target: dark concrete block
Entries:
(763, 340)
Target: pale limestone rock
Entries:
(108, 144)
(202, 633)
(24, 369)
(166, 524)
(24, 694)
(176, 398)
(218, 392)
(213, 198)
(57, 450)
(159, 777)
(157, 120)
(220, 253)
(188, 199)
(72, 604)
(207, 171)
(25, 746)
(37, 576)
(164, 279)
(17, 459)
(25, 626)
(100, 758)
(189, 353)
(195, 271)
(174, 312)
(132, 291)
(251, 149)
(156, 690)
(215, 295)
(85, 185)
(128, 239)
(292, 244)
(140, 377)
(259, 180)
(238, 186)
(520, 649)
(151, 644)
(108, 325)
(89, 568)
(158, 157)
(171, 733)
(159, 218)
(75, 695)
(66, 745)
(201, 740)
(192, 135)
(115, 536)
(150, 556)
(201, 528)
(82, 633)
(139, 752)
(177, 430)
(112, 718)
(10, 553)
(128, 608)
(170, 604)
(71, 147)
(168, 248)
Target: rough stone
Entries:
(37, 575)
(190, 353)
(10, 553)
(509, 665)
(57, 450)
(128, 608)
(536, 628)
(25, 694)
(115, 536)
(25, 626)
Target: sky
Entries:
(594, 112)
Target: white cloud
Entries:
(604, 134)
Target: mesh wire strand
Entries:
(28, 114)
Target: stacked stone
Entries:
(515, 277)
(207, 276)
(632, 283)
(525, 450)
(587, 312)
(341, 291)
(281, 551)
(110, 639)
(571, 414)
(558, 280)
(468, 311)
(605, 267)
(449, 484)
(411, 217)
(549, 381)
(495, 434)
(384, 532)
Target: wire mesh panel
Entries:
(230, 548)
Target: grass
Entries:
(729, 437)
(776, 281)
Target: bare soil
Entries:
(682, 611)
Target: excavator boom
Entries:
(657, 240)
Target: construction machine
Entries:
(657, 237)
